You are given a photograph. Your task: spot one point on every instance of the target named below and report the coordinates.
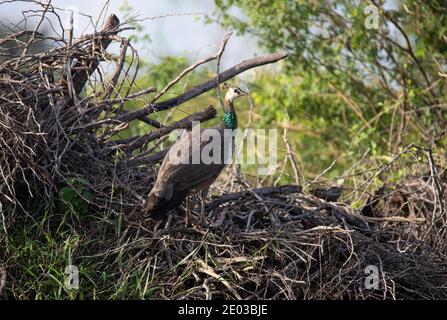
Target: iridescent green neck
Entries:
(230, 117)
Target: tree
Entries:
(358, 85)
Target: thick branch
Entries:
(81, 74)
(261, 191)
(153, 158)
(185, 123)
(202, 88)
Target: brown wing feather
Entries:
(178, 176)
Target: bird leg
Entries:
(204, 193)
(187, 212)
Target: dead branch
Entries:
(202, 88)
(185, 123)
(261, 191)
(13, 37)
(192, 67)
(84, 68)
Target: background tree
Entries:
(348, 87)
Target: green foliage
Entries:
(40, 263)
(161, 73)
(348, 88)
(38, 257)
(75, 196)
(158, 75)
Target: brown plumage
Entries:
(184, 171)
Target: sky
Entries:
(175, 27)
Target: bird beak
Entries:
(244, 93)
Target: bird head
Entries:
(233, 93)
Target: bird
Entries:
(185, 170)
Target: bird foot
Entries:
(200, 226)
(157, 226)
(202, 223)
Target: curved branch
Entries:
(134, 143)
(202, 88)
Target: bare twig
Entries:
(84, 68)
(261, 191)
(192, 67)
(3, 275)
(202, 88)
(186, 122)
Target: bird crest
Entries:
(225, 86)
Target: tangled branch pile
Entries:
(52, 132)
(59, 115)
